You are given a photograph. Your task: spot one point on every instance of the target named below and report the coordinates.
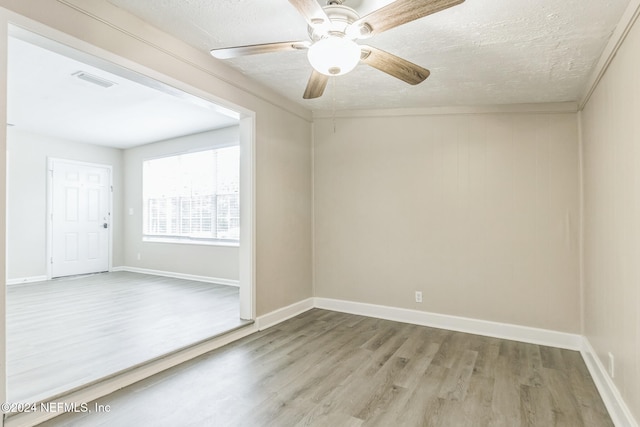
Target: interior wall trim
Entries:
(280, 315)
(206, 279)
(615, 41)
(618, 409)
(461, 324)
(616, 406)
(542, 108)
(31, 279)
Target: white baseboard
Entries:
(616, 406)
(454, 323)
(207, 279)
(618, 409)
(273, 318)
(32, 279)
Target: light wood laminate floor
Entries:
(67, 332)
(325, 368)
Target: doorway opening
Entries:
(116, 299)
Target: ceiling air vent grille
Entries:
(93, 79)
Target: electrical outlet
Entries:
(612, 366)
(139, 256)
(418, 296)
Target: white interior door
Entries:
(80, 217)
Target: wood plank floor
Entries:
(325, 368)
(68, 332)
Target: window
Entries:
(192, 197)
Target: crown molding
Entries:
(543, 108)
(615, 42)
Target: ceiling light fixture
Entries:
(82, 75)
(334, 55)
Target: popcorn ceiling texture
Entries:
(482, 52)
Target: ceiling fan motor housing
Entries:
(340, 18)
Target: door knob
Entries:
(105, 225)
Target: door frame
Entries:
(16, 25)
(215, 93)
(50, 162)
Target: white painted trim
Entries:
(132, 376)
(629, 17)
(455, 323)
(618, 409)
(247, 249)
(280, 315)
(97, 56)
(548, 108)
(581, 198)
(313, 209)
(4, 209)
(96, 47)
(21, 280)
(206, 279)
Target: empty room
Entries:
(425, 214)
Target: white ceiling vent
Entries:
(93, 79)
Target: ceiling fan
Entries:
(333, 31)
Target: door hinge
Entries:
(51, 260)
(112, 188)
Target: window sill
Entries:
(182, 241)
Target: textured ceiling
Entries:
(482, 52)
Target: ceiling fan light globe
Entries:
(334, 56)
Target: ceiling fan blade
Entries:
(316, 85)
(393, 65)
(311, 10)
(397, 13)
(234, 52)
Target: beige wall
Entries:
(202, 260)
(284, 206)
(27, 197)
(611, 163)
(477, 211)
